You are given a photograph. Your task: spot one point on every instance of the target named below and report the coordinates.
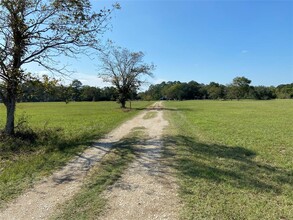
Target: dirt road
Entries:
(145, 191)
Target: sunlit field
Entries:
(49, 135)
(234, 158)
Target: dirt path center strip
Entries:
(145, 191)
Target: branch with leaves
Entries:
(40, 31)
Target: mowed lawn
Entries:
(234, 158)
(52, 134)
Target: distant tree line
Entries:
(47, 89)
(240, 88)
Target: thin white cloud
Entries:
(244, 51)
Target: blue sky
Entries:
(204, 40)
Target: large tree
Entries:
(239, 88)
(125, 70)
(215, 91)
(40, 31)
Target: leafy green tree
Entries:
(30, 90)
(42, 89)
(109, 94)
(63, 93)
(39, 31)
(175, 91)
(75, 90)
(193, 90)
(49, 88)
(285, 91)
(239, 88)
(215, 91)
(90, 93)
(125, 70)
(263, 93)
(155, 91)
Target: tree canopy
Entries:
(125, 70)
(240, 88)
(40, 31)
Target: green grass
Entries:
(234, 158)
(60, 132)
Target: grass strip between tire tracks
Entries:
(59, 133)
(89, 203)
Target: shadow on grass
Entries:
(88, 202)
(84, 161)
(23, 161)
(235, 166)
(48, 139)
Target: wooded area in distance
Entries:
(49, 89)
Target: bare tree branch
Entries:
(125, 70)
(39, 31)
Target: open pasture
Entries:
(52, 133)
(234, 158)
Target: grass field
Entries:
(59, 132)
(234, 158)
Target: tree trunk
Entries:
(123, 103)
(10, 112)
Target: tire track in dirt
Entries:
(145, 191)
